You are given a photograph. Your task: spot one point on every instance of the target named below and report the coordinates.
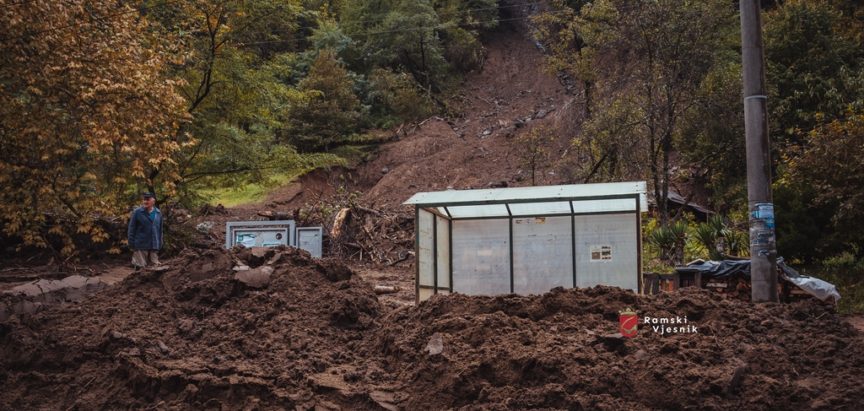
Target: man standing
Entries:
(145, 233)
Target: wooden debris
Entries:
(338, 222)
(274, 215)
(386, 289)
(368, 234)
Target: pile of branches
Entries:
(367, 234)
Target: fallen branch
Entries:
(400, 259)
(386, 289)
(369, 210)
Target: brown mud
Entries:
(316, 336)
(192, 337)
(561, 350)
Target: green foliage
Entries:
(272, 82)
(719, 240)
(845, 261)
(685, 240)
(396, 97)
(330, 109)
(707, 235)
(845, 270)
(433, 41)
(245, 191)
(664, 77)
(737, 242)
(711, 142)
(535, 151)
(670, 241)
(202, 100)
(815, 55)
(642, 65)
(462, 22)
(419, 51)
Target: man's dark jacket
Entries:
(145, 233)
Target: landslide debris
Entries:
(194, 337)
(315, 337)
(561, 350)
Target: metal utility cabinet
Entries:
(310, 239)
(528, 240)
(274, 233)
(260, 233)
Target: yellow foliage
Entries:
(86, 116)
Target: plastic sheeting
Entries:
(481, 256)
(718, 269)
(542, 254)
(607, 251)
(816, 287)
(425, 253)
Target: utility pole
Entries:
(763, 246)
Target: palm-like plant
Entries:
(708, 234)
(736, 242)
(670, 241)
(664, 239)
(679, 231)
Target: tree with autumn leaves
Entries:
(86, 115)
(102, 100)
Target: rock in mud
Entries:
(257, 256)
(435, 346)
(334, 270)
(255, 277)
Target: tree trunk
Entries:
(666, 145)
(587, 93)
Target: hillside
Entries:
(511, 95)
(508, 97)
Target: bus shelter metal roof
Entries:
(599, 198)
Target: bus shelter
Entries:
(528, 240)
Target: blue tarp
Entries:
(725, 269)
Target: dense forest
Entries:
(104, 99)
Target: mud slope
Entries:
(509, 96)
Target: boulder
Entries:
(255, 277)
(259, 255)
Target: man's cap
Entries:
(147, 194)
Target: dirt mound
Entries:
(560, 350)
(193, 337)
(314, 336)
